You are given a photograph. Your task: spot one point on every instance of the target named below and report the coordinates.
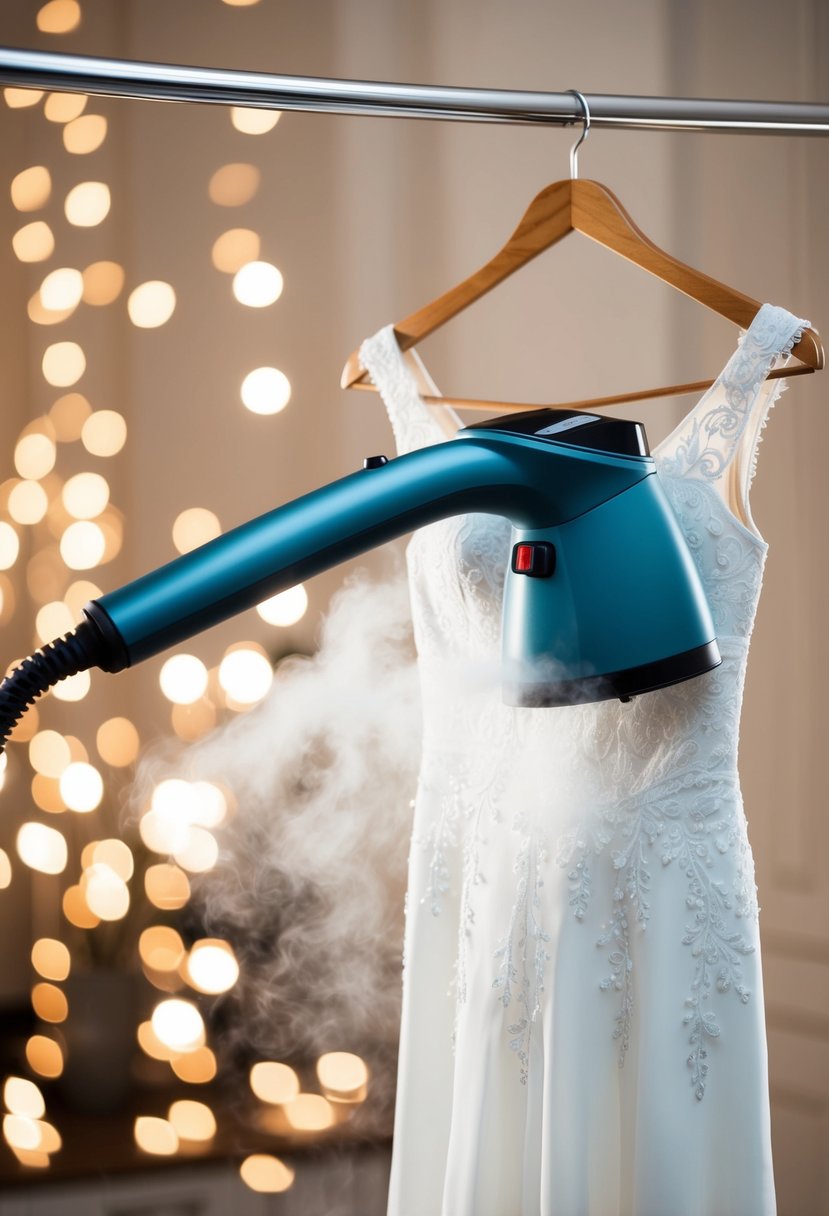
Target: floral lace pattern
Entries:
(638, 806)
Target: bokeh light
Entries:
(77, 910)
(80, 593)
(261, 1171)
(81, 787)
(73, 688)
(84, 135)
(45, 575)
(44, 1056)
(28, 502)
(199, 852)
(9, 545)
(63, 107)
(183, 679)
(163, 832)
(21, 99)
(167, 887)
(245, 675)
(39, 315)
(59, 17)
(309, 1113)
(343, 1076)
(117, 741)
(257, 284)
(49, 753)
(266, 390)
(49, 1003)
(41, 848)
(273, 1082)
(85, 495)
(233, 185)
(24, 1098)
(161, 948)
(197, 1067)
(51, 958)
(61, 289)
(111, 523)
(50, 1138)
(154, 1135)
(211, 966)
(253, 121)
(151, 1044)
(5, 870)
(191, 722)
(178, 1024)
(106, 894)
(34, 455)
(116, 854)
(192, 1120)
(34, 242)
(88, 204)
(151, 304)
(46, 794)
(63, 364)
(209, 804)
(194, 527)
(67, 415)
(103, 282)
(31, 188)
(286, 608)
(7, 601)
(82, 545)
(234, 248)
(21, 1131)
(53, 620)
(104, 433)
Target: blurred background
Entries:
(182, 285)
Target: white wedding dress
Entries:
(583, 1030)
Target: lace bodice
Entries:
(634, 786)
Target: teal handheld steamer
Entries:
(601, 598)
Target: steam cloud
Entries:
(310, 883)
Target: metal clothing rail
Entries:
(169, 82)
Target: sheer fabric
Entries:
(582, 1029)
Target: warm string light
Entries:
(261, 1171)
(59, 17)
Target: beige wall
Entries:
(369, 218)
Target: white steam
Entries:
(309, 887)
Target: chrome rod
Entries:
(221, 86)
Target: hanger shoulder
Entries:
(590, 208)
(546, 220)
(597, 213)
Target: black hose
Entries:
(74, 652)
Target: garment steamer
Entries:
(601, 598)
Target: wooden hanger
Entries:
(590, 208)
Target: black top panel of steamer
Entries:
(574, 428)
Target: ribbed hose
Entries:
(66, 656)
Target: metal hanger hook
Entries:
(574, 151)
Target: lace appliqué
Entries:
(709, 444)
(692, 819)
(522, 953)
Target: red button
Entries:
(523, 559)
(536, 559)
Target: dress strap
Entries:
(709, 438)
(717, 441)
(415, 424)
